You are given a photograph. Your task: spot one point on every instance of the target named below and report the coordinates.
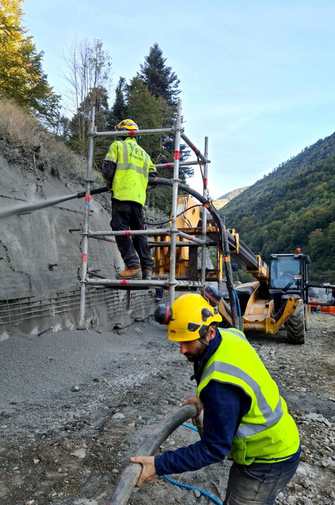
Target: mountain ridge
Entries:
(292, 206)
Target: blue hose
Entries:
(190, 487)
(190, 426)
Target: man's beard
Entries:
(193, 357)
(190, 357)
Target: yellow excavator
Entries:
(277, 297)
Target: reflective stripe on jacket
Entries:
(267, 432)
(133, 166)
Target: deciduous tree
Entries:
(89, 71)
(21, 74)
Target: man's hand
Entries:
(148, 468)
(194, 400)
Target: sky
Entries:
(257, 77)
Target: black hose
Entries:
(150, 445)
(224, 239)
(97, 191)
(224, 242)
(42, 204)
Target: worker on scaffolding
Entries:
(126, 170)
(244, 414)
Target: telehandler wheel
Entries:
(296, 326)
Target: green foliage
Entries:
(148, 111)
(160, 79)
(21, 75)
(162, 82)
(119, 110)
(294, 206)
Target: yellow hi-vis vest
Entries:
(133, 165)
(267, 432)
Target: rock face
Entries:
(40, 256)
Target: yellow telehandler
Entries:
(277, 297)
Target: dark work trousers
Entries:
(258, 484)
(130, 216)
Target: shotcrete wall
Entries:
(40, 257)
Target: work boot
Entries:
(130, 273)
(147, 274)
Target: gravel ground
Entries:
(75, 405)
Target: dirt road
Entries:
(74, 406)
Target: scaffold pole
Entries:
(173, 227)
(204, 216)
(84, 249)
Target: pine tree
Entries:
(21, 74)
(163, 82)
(119, 110)
(160, 79)
(149, 112)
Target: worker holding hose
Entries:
(244, 415)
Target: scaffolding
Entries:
(171, 283)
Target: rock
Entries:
(312, 416)
(197, 493)
(75, 389)
(304, 470)
(328, 463)
(85, 501)
(36, 461)
(118, 416)
(4, 491)
(79, 453)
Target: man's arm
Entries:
(108, 170)
(152, 168)
(224, 406)
(110, 163)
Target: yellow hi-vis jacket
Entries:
(267, 432)
(133, 165)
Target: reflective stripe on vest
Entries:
(131, 166)
(271, 416)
